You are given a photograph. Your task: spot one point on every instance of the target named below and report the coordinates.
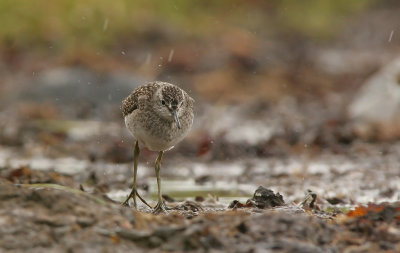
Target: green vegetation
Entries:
(319, 18)
(99, 24)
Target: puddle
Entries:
(353, 181)
(67, 166)
(224, 192)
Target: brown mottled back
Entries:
(130, 103)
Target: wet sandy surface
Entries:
(52, 218)
(84, 213)
(65, 169)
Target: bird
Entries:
(159, 115)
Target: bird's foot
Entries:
(160, 208)
(131, 195)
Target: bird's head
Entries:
(168, 102)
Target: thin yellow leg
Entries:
(136, 152)
(160, 207)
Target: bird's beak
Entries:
(176, 118)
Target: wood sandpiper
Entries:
(159, 115)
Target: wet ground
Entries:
(277, 160)
(48, 217)
(63, 175)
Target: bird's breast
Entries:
(156, 133)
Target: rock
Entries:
(376, 107)
(266, 198)
(379, 98)
(262, 198)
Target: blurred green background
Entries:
(273, 47)
(287, 64)
(101, 24)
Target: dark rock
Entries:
(262, 198)
(266, 198)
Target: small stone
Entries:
(266, 198)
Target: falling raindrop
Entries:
(171, 55)
(391, 36)
(105, 25)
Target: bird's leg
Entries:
(160, 207)
(133, 193)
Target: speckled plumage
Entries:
(159, 115)
(130, 103)
(151, 122)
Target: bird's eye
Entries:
(163, 102)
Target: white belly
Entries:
(152, 142)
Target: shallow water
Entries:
(353, 180)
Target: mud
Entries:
(274, 161)
(62, 219)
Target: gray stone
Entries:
(378, 101)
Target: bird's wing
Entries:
(131, 103)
